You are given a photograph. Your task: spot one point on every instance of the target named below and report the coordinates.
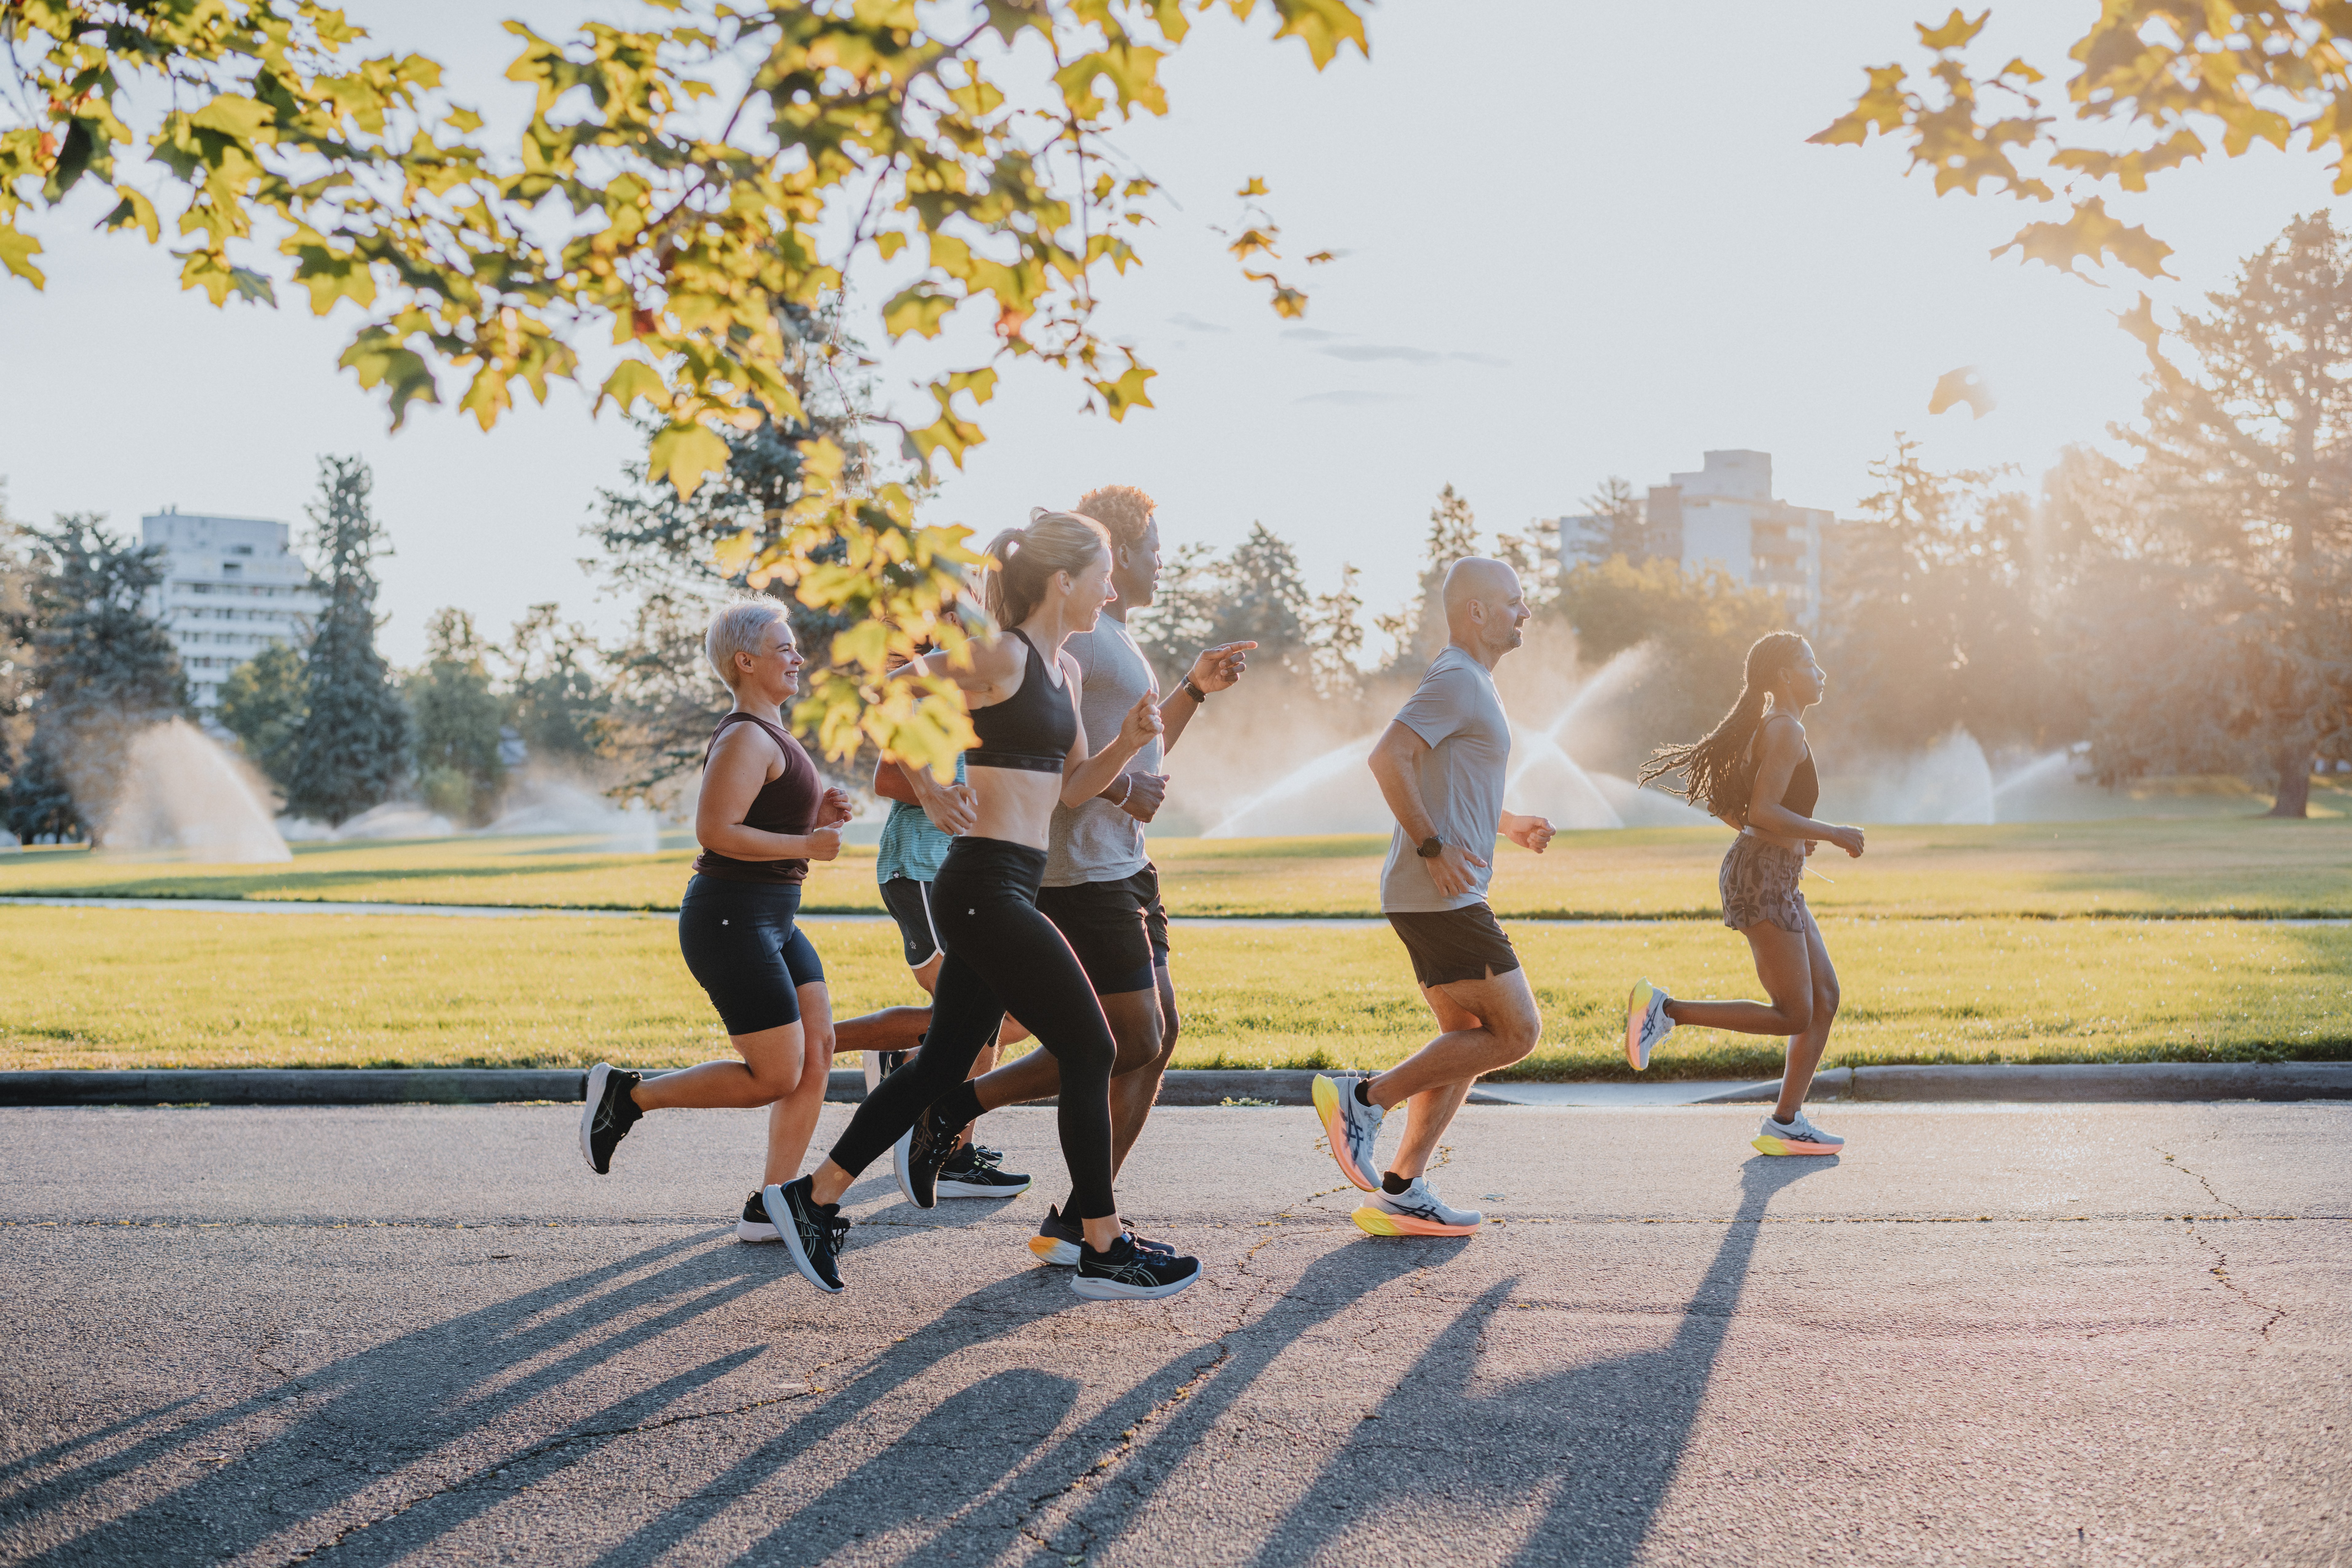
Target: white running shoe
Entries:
(1645, 1023)
(1351, 1126)
(1795, 1136)
(1416, 1211)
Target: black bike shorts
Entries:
(742, 946)
(909, 903)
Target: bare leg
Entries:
(791, 1120)
(1784, 965)
(770, 1069)
(1805, 1049)
(1486, 1023)
(1134, 1093)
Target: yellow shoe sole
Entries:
(1769, 1144)
(1379, 1222)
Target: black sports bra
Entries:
(1033, 730)
(1804, 791)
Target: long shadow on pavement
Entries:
(402, 1402)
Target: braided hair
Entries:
(1719, 771)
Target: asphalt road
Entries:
(2109, 1334)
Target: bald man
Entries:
(1441, 769)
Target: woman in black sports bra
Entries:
(1756, 771)
(1022, 690)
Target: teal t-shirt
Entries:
(911, 847)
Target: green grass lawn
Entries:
(129, 988)
(2203, 866)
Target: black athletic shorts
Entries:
(1119, 930)
(909, 903)
(1448, 945)
(741, 944)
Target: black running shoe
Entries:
(1127, 1273)
(919, 1152)
(754, 1224)
(607, 1116)
(971, 1173)
(880, 1064)
(1058, 1240)
(813, 1232)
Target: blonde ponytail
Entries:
(1054, 542)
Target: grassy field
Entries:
(2206, 866)
(127, 988)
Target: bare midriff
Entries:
(1013, 805)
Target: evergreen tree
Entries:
(1256, 593)
(1615, 523)
(457, 719)
(1928, 620)
(102, 670)
(16, 660)
(353, 745)
(1417, 630)
(2234, 546)
(554, 700)
(262, 703)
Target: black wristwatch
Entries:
(1195, 692)
(1430, 847)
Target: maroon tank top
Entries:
(786, 803)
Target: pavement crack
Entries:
(2220, 1271)
(1100, 1473)
(2201, 1181)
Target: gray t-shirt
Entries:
(1099, 842)
(1456, 710)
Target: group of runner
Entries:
(1028, 906)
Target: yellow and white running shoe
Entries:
(1796, 1136)
(1416, 1211)
(1645, 1023)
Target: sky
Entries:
(1578, 240)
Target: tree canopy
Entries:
(679, 189)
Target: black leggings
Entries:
(1001, 955)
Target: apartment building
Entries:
(1723, 515)
(232, 586)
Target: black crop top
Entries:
(786, 803)
(1033, 730)
(1804, 791)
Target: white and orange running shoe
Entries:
(1416, 1211)
(1352, 1127)
(1796, 1136)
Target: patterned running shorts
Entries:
(1759, 882)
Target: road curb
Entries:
(2070, 1082)
(2082, 1083)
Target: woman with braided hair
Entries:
(1755, 770)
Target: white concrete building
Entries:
(232, 586)
(1725, 516)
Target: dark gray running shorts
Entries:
(909, 903)
(1119, 930)
(1448, 945)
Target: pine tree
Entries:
(102, 670)
(457, 719)
(16, 660)
(354, 746)
(1418, 629)
(555, 702)
(262, 703)
(2239, 543)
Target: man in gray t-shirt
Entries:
(1100, 890)
(1441, 767)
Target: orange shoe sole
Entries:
(1770, 1145)
(1327, 1112)
(1379, 1222)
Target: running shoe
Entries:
(1645, 1023)
(607, 1116)
(971, 1171)
(1352, 1127)
(813, 1232)
(753, 1223)
(1795, 1136)
(919, 1154)
(1127, 1273)
(1058, 1240)
(1416, 1211)
(880, 1064)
